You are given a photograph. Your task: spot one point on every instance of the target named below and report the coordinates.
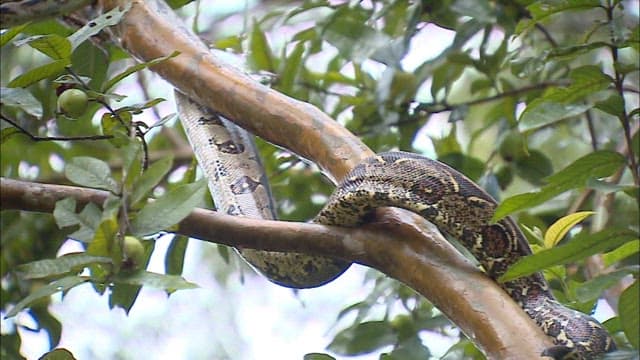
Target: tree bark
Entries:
(398, 243)
(403, 250)
(394, 245)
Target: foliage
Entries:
(558, 79)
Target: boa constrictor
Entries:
(437, 192)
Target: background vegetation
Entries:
(537, 101)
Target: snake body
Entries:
(432, 189)
(227, 155)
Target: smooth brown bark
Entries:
(399, 243)
(150, 30)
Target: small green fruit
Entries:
(512, 146)
(73, 102)
(133, 252)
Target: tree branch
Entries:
(400, 244)
(150, 30)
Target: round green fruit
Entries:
(73, 102)
(512, 146)
(133, 252)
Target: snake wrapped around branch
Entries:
(427, 187)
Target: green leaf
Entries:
(168, 283)
(541, 112)
(65, 215)
(88, 219)
(135, 68)
(594, 165)
(65, 212)
(150, 178)
(581, 246)
(41, 72)
(96, 25)
(318, 356)
(54, 46)
(91, 172)
(58, 354)
(533, 168)
(561, 103)
(626, 250)
(291, 69)
(629, 308)
(6, 36)
(169, 209)
(541, 10)
(363, 338)
(87, 59)
(174, 258)
(63, 284)
(103, 242)
(613, 105)
(175, 4)
(56, 267)
(124, 296)
(260, 56)
(348, 31)
(22, 99)
(559, 229)
(593, 289)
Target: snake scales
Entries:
(437, 192)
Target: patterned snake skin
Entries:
(437, 192)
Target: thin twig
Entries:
(54, 138)
(434, 108)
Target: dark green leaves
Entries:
(363, 338)
(561, 103)
(169, 209)
(578, 248)
(629, 307)
(348, 31)
(595, 165)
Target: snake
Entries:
(432, 189)
(440, 194)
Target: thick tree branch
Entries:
(401, 245)
(150, 30)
